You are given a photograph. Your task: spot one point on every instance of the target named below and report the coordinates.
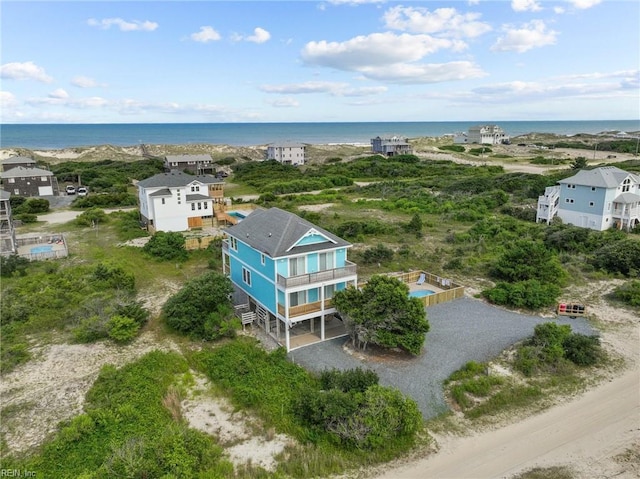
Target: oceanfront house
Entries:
(196, 164)
(177, 201)
(287, 153)
(29, 181)
(483, 135)
(288, 269)
(15, 161)
(599, 199)
(7, 231)
(391, 146)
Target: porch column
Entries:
(286, 320)
(322, 311)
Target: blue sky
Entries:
(317, 61)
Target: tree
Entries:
(527, 260)
(579, 163)
(415, 225)
(383, 313)
(620, 257)
(166, 246)
(202, 308)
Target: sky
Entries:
(318, 61)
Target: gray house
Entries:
(391, 146)
(197, 164)
(21, 181)
(16, 161)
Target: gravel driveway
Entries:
(462, 330)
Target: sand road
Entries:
(603, 422)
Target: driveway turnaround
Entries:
(461, 331)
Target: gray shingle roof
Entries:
(275, 231)
(4, 195)
(162, 192)
(19, 160)
(21, 171)
(175, 179)
(603, 177)
(197, 197)
(627, 198)
(188, 158)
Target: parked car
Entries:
(83, 191)
(71, 190)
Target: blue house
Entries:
(599, 199)
(289, 270)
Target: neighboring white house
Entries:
(599, 199)
(288, 153)
(483, 135)
(176, 201)
(391, 145)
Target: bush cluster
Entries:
(166, 246)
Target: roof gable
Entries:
(277, 233)
(21, 171)
(603, 177)
(176, 178)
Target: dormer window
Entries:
(626, 185)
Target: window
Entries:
(12, 180)
(568, 200)
(593, 188)
(329, 290)
(262, 259)
(246, 276)
(298, 298)
(199, 205)
(296, 266)
(591, 204)
(193, 206)
(206, 205)
(43, 178)
(626, 185)
(571, 187)
(325, 261)
(233, 243)
(163, 201)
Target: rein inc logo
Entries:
(17, 473)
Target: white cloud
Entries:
(584, 4)
(205, 35)
(332, 88)
(59, 94)
(123, 25)
(284, 102)
(446, 21)
(532, 35)
(260, 35)
(354, 2)
(24, 71)
(7, 100)
(525, 5)
(390, 57)
(85, 82)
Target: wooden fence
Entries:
(199, 242)
(447, 289)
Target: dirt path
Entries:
(602, 423)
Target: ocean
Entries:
(60, 136)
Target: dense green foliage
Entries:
(456, 148)
(106, 200)
(202, 308)
(80, 298)
(341, 409)
(30, 206)
(107, 175)
(383, 313)
(93, 217)
(620, 257)
(13, 264)
(127, 431)
(166, 246)
(628, 293)
(553, 346)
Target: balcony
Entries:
(306, 308)
(318, 277)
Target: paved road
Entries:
(599, 424)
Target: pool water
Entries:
(42, 249)
(237, 214)
(422, 293)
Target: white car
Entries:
(71, 190)
(82, 191)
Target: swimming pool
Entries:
(237, 214)
(421, 293)
(47, 248)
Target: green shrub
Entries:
(377, 254)
(26, 217)
(455, 148)
(628, 293)
(619, 257)
(92, 217)
(91, 329)
(13, 264)
(582, 350)
(108, 275)
(122, 329)
(32, 206)
(106, 200)
(531, 294)
(350, 380)
(166, 246)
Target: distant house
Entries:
(483, 135)
(7, 231)
(197, 164)
(289, 269)
(287, 153)
(599, 199)
(16, 161)
(21, 181)
(391, 145)
(177, 201)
